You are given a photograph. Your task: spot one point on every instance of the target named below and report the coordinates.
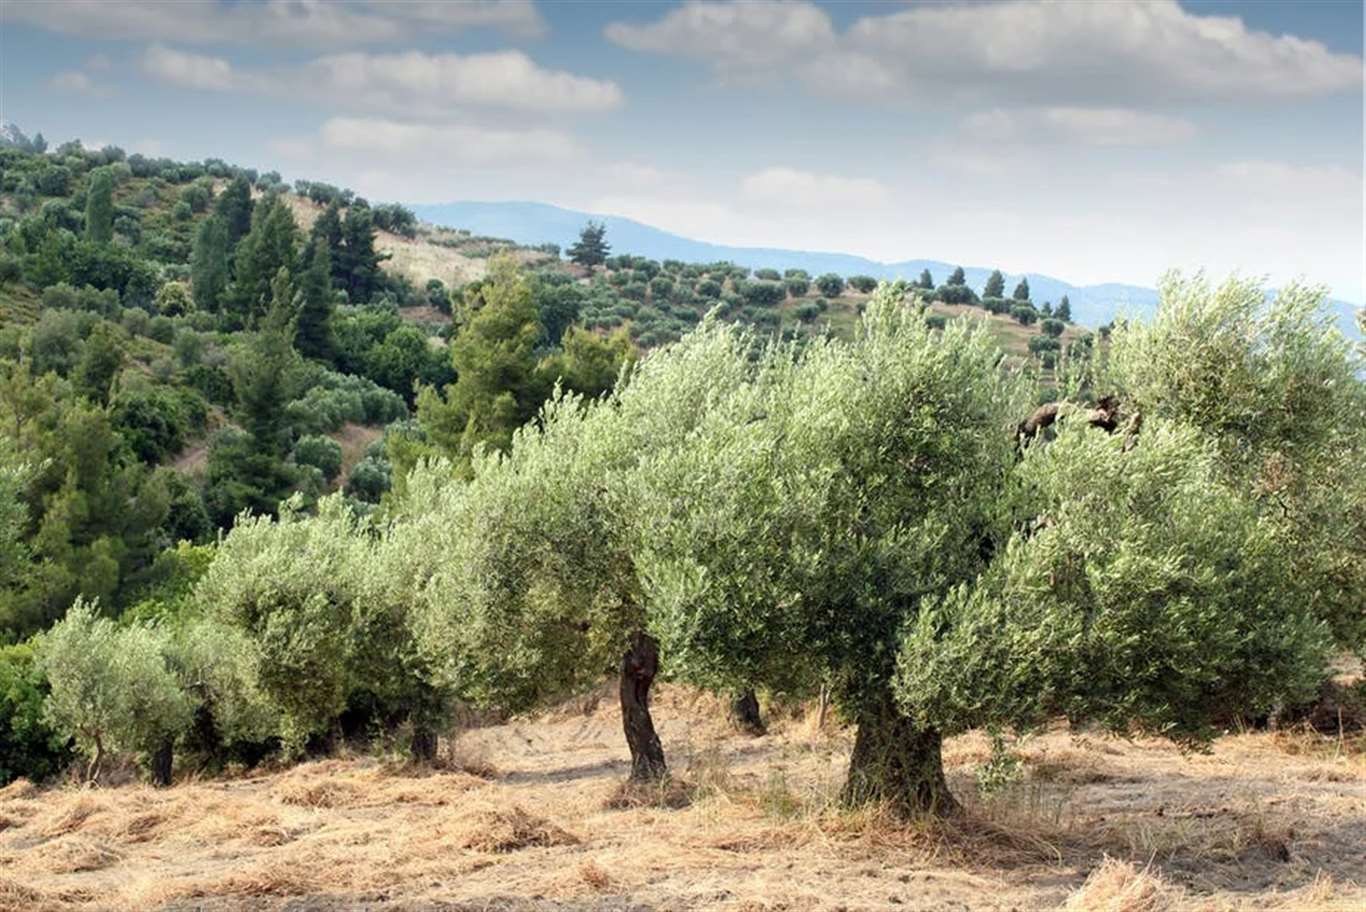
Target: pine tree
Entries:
(313, 338)
(996, 285)
(328, 228)
(209, 264)
(498, 387)
(99, 208)
(235, 207)
(958, 278)
(1064, 311)
(260, 373)
(357, 258)
(926, 280)
(1021, 292)
(591, 249)
(267, 248)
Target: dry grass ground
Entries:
(530, 816)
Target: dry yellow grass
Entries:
(1118, 886)
(1264, 821)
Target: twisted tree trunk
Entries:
(639, 666)
(423, 744)
(744, 713)
(898, 763)
(161, 762)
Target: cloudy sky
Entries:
(1095, 141)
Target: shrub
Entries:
(1024, 315)
(1039, 344)
(808, 311)
(862, 283)
(709, 288)
(29, 746)
(764, 293)
(1052, 327)
(370, 479)
(830, 285)
(797, 286)
(768, 275)
(323, 453)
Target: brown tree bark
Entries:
(161, 762)
(639, 666)
(898, 763)
(744, 713)
(423, 744)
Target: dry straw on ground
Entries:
(1264, 821)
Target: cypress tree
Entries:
(328, 228)
(313, 338)
(99, 208)
(1021, 292)
(209, 264)
(926, 280)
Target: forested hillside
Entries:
(284, 469)
(183, 341)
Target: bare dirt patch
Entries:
(1263, 821)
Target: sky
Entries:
(1092, 140)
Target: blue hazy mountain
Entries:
(540, 223)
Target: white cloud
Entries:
(803, 189)
(1030, 51)
(736, 38)
(504, 79)
(73, 81)
(315, 23)
(445, 144)
(1088, 126)
(192, 71)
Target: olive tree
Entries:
(112, 688)
(861, 510)
(291, 586)
(537, 594)
(1138, 591)
(217, 665)
(812, 513)
(1278, 390)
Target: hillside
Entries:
(532, 223)
(526, 816)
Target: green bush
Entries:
(862, 283)
(1024, 315)
(29, 747)
(323, 453)
(797, 286)
(1052, 327)
(369, 479)
(830, 285)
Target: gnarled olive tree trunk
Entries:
(744, 713)
(898, 763)
(162, 760)
(639, 666)
(423, 744)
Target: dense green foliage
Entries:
(248, 503)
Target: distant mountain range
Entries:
(540, 223)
